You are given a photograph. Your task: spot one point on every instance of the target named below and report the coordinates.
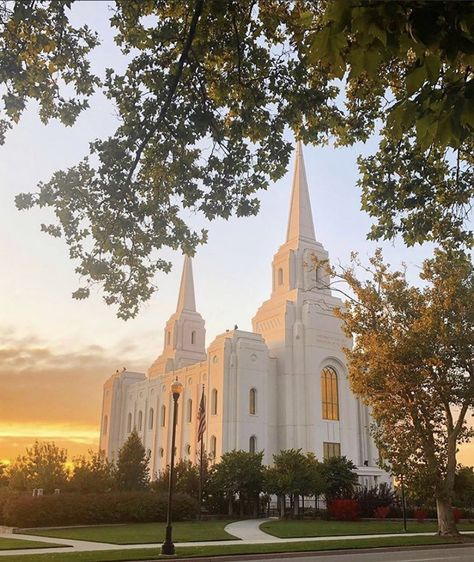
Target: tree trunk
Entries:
(241, 505)
(282, 502)
(231, 505)
(446, 524)
(296, 505)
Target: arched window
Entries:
(188, 449)
(253, 401)
(129, 423)
(163, 415)
(162, 452)
(214, 401)
(193, 337)
(140, 420)
(253, 444)
(329, 394)
(168, 337)
(151, 418)
(189, 412)
(104, 428)
(280, 276)
(213, 447)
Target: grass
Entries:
(317, 528)
(11, 544)
(141, 533)
(217, 550)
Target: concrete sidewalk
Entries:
(247, 532)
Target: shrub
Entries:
(91, 509)
(381, 512)
(420, 515)
(344, 509)
(371, 498)
(457, 514)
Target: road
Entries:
(439, 554)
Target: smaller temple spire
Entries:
(300, 222)
(186, 300)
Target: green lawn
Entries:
(317, 528)
(219, 550)
(140, 533)
(11, 544)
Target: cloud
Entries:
(50, 392)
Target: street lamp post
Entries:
(168, 546)
(404, 510)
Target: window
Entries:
(104, 429)
(214, 401)
(329, 394)
(168, 338)
(162, 452)
(253, 444)
(188, 449)
(253, 401)
(193, 337)
(129, 423)
(280, 276)
(151, 418)
(331, 450)
(213, 448)
(163, 415)
(140, 420)
(189, 412)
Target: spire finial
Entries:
(186, 300)
(300, 222)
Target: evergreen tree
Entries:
(132, 464)
(94, 473)
(339, 477)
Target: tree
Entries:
(339, 477)
(43, 466)
(294, 474)
(412, 364)
(132, 464)
(205, 103)
(239, 472)
(186, 478)
(3, 475)
(94, 473)
(464, 486)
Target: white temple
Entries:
(283, 385)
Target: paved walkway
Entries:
(247, 532)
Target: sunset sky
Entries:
(55, 353)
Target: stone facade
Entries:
(284, 385)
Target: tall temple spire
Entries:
(300, 222)
(186, 300)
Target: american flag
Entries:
(201, 417)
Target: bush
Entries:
(381, 512)
(457, 514)
(420, 515)
(92, 509)
(377, 496)
(344, 510)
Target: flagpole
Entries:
(201, 469)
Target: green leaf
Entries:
(433, 65)
(414, 79)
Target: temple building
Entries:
(283, 385)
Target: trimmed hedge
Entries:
(92, 509)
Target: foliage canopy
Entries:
(212, 89)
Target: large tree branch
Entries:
(174, 81)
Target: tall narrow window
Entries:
(213, 447)
(193, 337)
(280, 276)
(168, 338)
(150, 418)
(253, 401)
(140, 420)
(163, 415)
(253, 444)
(331, 450)
(104, 428)
(214, 401)
(129, 423)
(189, 413)
(329, 394)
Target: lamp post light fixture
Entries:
(167, 547)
